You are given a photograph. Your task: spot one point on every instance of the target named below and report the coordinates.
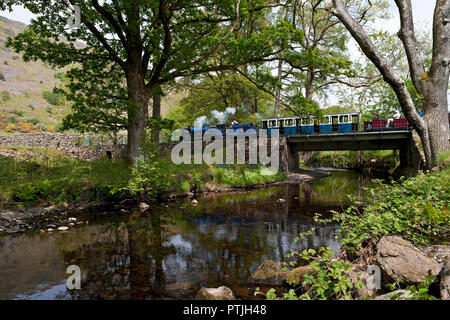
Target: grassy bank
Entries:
(42, 176)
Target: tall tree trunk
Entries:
(436, 117)
(309, 84)
(156, 112)
(139, 97)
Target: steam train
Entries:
(329, 123)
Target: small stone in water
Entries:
(72, 219)
(49, 229)
(194, 201)
(143, 206)
(63, 228)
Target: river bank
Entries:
(48, 218)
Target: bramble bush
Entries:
(416, 209)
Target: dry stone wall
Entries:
(86, 147)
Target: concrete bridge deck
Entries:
(354, 141)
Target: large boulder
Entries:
(445, 281)
(268, 273)
(295, 276)
(221, 293)
(400, 261)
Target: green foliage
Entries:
(2, 77)
(99, 103)
(59, 75)
(52, 98)
(416, 209)
(416, 292)
(150, 174)
(330, 281)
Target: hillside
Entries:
(23, 85)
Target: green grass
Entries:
(49, 177)
(46, 176)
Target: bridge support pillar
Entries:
(289, 158)
(411, 160)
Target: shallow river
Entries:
(220, 241)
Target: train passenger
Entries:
(397, 115)
(234, 122)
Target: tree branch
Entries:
(407, 36)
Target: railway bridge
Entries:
(402, 140)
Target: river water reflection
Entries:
(221, 241)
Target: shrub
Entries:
(150, 175)
(12, 119)
(31, 107)
(328, 281)
(33, 121)
(416, 209)
(49, 110)
(2, 76)
(6, 96)
(52, 98)
(42, 127)
(18, 113)
(3, 121)
(59, 75)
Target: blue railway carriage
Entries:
(343, 122)
(340, 122)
